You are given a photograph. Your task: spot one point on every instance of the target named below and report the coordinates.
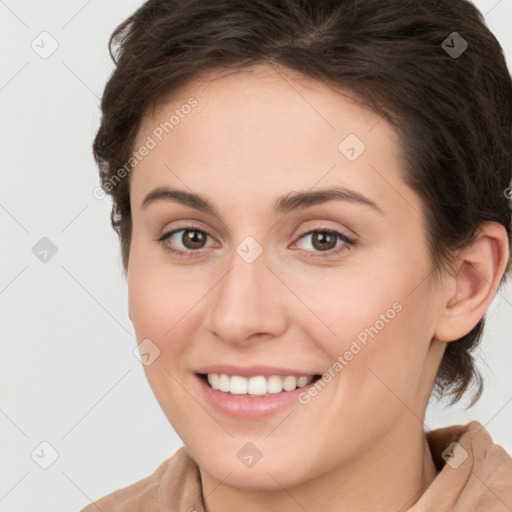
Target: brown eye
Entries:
(184, 241)
(326, 241)
(323, 240)
(193, 239)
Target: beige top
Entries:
(477, 478)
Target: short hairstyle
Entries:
(405, 59)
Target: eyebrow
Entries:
(293, 201)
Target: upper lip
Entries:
(252, 371)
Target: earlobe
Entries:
(481, 267)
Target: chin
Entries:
(271, 474)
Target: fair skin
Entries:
(253, 137)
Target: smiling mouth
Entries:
(256, 386)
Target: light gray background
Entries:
(67, 369)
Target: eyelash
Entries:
(347, 242)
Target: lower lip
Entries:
(248, 407)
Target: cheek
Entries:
(157, 308)
(155, 295)
(156, 299)
(161, 309)
(378, 328)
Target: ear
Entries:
(480, 269)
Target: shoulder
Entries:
(174, 477)
(473, 469)
(473, 437)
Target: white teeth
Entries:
(214, 380)
(302, 381)
(274, 384)
(289, 383)
(256, 386)
(238, 385)
(224, 383)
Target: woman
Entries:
(312, 203)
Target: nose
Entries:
(247, 304)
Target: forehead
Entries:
(262, 99)
(266, 131)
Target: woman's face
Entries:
(261, 290)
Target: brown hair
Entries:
(453, 112)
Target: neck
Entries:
(390, 475)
